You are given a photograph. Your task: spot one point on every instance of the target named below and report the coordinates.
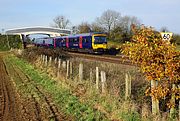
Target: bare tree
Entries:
(96, 28)
(61, 22)
(75, 30)
(164, 29)
(127, 21)
(109, 20)
(84, 27)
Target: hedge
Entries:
(10, 41)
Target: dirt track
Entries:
(8, 100)
(14, 106)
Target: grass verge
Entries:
(67, 102)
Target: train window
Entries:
(76, 39)
(85, 40)
(100, 39)
(89, 39)
(64, 40)
(70, 40)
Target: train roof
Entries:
(83, 34)
(45, 38)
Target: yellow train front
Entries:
(87, 42)
(99, 43)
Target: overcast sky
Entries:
(26, 13)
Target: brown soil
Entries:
(9, 105)
(34, 106)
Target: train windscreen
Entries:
(100, 39)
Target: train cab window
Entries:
(100, 39)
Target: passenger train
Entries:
(87, 42)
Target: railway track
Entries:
(120, 59)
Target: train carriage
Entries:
(87, 42)
(45, 42)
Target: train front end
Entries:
(99, 43)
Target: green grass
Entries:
(178, 47)
(91, 106)
(114, 44)
(67, 102)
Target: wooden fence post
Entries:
(64, 64)
(67, 70)
(59, 63)
(155, 102)
(80, 72)
(50, 61)
(103, 81)
(59, 66)
(43, 60)
(128, 86)
(55, 61)
(71, 69)
(172, 110)
(46, 61)
(91, 75)
(97, 78)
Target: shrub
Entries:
(10, 41)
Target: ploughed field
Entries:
(17, 104)
(9, 102)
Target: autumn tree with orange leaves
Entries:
(159, 61)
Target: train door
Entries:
(54, 42)
(80, 42)
(67, 42)
(63, 42)
(59, 42)
(70, 42)
(87, 42)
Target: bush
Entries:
(176, 39)
(10, 41)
